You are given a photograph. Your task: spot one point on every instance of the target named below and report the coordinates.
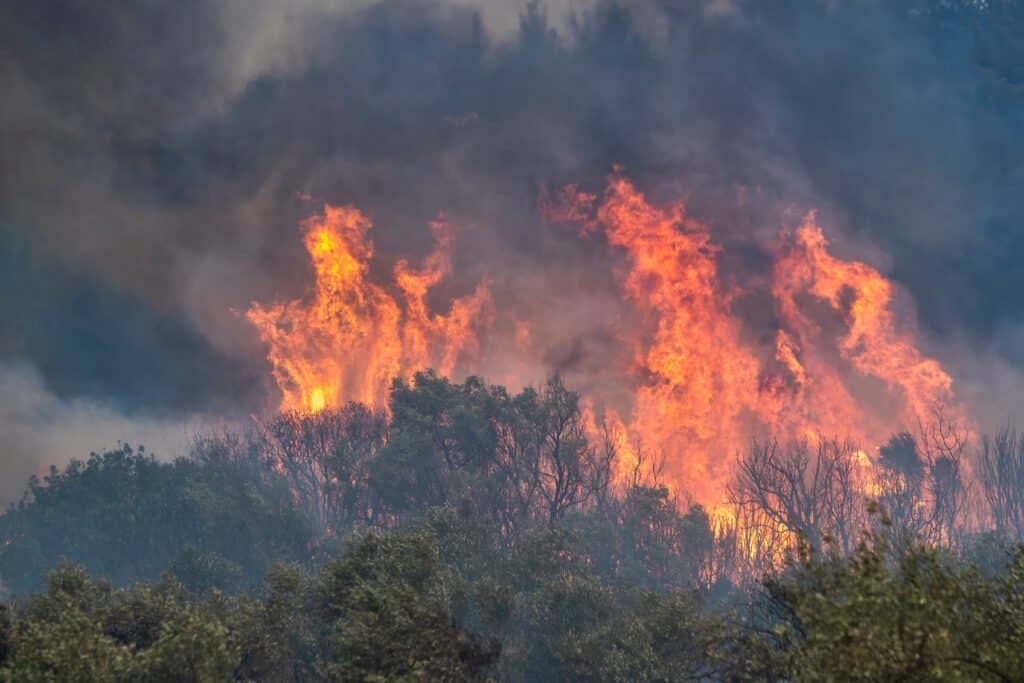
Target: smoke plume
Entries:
(157, 161)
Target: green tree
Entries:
(126, 516)
(900, 614)
(389, 605)
(662, 638)
(278, 631)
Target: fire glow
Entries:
(701, 389)
(350, 338)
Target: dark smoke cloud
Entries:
(152, 155)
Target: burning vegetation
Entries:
(760, 496)
(839, 364)
(350, 337)
(495, 413)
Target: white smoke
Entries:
(40, 429)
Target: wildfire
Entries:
(702, 377)
(839, 361)
(871, 341)
(707, 389)
(349, 338)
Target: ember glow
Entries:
(840, 362)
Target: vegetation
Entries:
(473, 534)
(408, 606)
(126, 516)
(477, 535)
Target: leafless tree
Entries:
(605, 456)
(920, 482)
(568, 466)
(1001, 475)
(319, 461)
(800, 490)
(900, 486)
(648, 467)
(943, 445)
(748, 545)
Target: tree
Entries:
(441, 445)
(83, 630)
(388, 601)
(646, 542)
(522, 461)
(664, 639)
(126, 516)
(317, 462)
(277, 630)
(896, 613)
(803, 491)
(546, 463)
(942, 443)
(192, 647)
(1001, 470)
(901, 482)
(920, 483)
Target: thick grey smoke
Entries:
(152, 156)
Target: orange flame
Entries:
(840, 361)
(706, 389)
(701, 377)
(349, 338)
(872, 341)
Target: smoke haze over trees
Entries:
(478, 535)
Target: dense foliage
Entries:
(421, 604)
(126, 516)
(477, 535)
